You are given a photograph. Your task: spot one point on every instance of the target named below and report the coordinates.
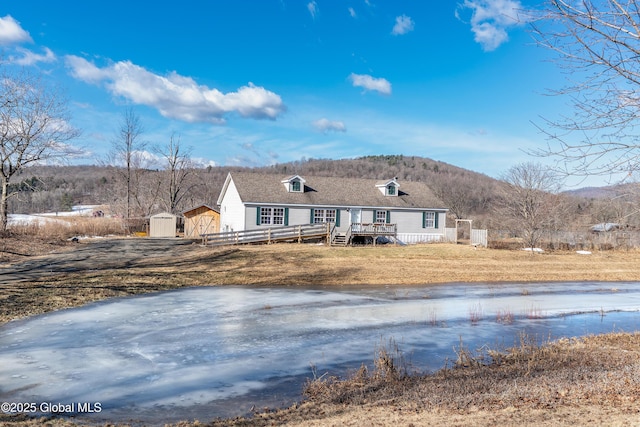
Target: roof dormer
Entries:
(389, 188)
(294, 184)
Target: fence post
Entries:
(268, 236)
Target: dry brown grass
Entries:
(588, 381)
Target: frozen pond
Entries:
(209, 352)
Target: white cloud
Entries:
(201, 162)
(11, 32)
(371, 83)
(325, 125)
(176, 96)
(352, 12)
(28, 57)
(404, 24)
(312, 6)
(490, 20)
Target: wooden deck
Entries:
(301, 233)
(294, 233)
(373, 230)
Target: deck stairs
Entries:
(339, 240)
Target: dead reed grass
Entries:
(587, 381)
(65, 227)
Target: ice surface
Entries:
(199, 346)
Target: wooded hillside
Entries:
(468, 194)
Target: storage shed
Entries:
(202, 219)
(163, 225)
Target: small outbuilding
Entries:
(200, 220)
(163, 224)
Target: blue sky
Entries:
(258, 82)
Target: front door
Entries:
(355, 217)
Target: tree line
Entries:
(526, 202)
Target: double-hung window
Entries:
(381, 217)
(429, 220)
(278, 216)
(321, 216)
(272, 216)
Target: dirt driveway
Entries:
(94, 255)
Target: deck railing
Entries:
(347, 237)
(378, 229)
(268, 235)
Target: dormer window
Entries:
(389, 188)
(294, 184)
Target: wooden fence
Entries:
(478, 237)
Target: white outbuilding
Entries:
(163, 225)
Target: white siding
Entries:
(250, 218)
(299, 216)
(412, 238)
(232, 211)
(344, 220)
(409, 222)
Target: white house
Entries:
(250, 201)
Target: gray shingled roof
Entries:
(331, 191)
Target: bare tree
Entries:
(34, 128)
(598, 44)
(178, 168)
(528, 201)
(128, 156)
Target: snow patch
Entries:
(537, 250)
